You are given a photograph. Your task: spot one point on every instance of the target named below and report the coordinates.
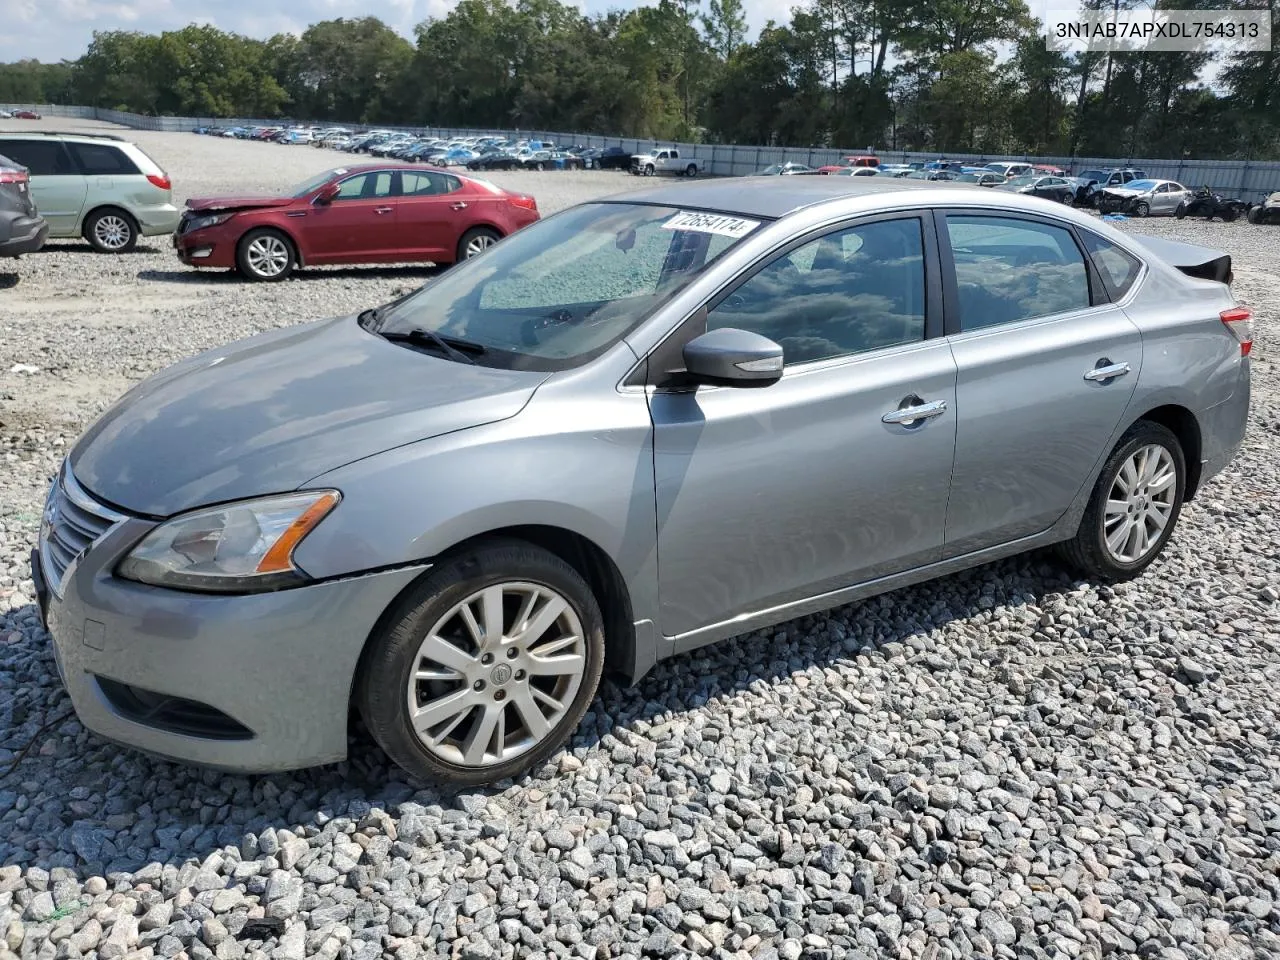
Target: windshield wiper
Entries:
(447, 347)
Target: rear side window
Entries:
(42, 158)
(97, 159)
(1118, 268)
(1009, 270)
(427, 184)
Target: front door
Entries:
(1046, 370)
(767, 496)
(57, 185)
(359, 225)
(432, 214)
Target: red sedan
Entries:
(375, 213)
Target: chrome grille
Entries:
(73, 522)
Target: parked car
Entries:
(897, 169)
(5, 115)
(952, 166)
(666, 160)
(1207, 203)
(987, 178)
(1091, 182)
(1048, 169)
(1009, 169)
(786, 170)
(94, 185)
(1143, 198)
(25, 115)
(854, 160)
(854, 172)
(376, 213)
(461, 508)
(22, 229)
(495, 160)
(1266, 212)
(936, 173)
(1048, 188)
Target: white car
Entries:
(5, 115)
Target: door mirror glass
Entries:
(729, 357)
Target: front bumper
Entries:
(205, 248)
(254, 683)
(27, 236)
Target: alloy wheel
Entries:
(1139, 504)
(496, 674)
(267, 256)
(112, 232)
(478, 244)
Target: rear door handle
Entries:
(382, 210)
(1106, 370)
(917, 411)
(460, 205)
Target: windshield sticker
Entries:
(736, 227)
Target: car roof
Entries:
(771, 197)
(61, 135)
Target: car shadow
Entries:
(220, 275)
(113, 782)
(80, 246)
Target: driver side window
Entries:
(844, 293)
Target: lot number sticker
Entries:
(735, 227)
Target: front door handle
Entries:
(917, 410)
(1106, 370)
(460, 205)
(381, 210)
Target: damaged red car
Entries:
(364, 214)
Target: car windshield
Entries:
(771, 170)
(564, 290)
(1020, 182)
(302, 189)
(1141, 185)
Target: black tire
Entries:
(247, 263)
(472, 235)
(111, 230)
(1254, 215)
(691, 170)
(1230, 214)
(649, 170)
(383, 676)
(1181, 212)
(540, 165)
(1141, 209)
(1087, 551)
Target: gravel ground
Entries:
(1005, 763)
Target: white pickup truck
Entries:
(666, 160)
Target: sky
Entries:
(51, 30)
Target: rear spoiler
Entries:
(1205, 263)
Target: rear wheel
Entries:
(1181, 212)
(486, 667)
(476, 241)
(1230, 214)
(1254, 215)
(691, 170)
(1134, 508)
(111, 231)
(265, 255)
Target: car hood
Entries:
(238, 203)
(269, 413)
(1125, 191)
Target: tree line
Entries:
(892, 74)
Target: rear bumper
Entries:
(26, 235)
(1223, 427)
(158, 220)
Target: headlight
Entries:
(212, 220)
(234, 548)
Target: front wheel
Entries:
(648, 170)
(1134, 508)
(1141, 210)
(484, 668)
(265, 255)
(111, 231)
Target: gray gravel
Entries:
(1007, 763)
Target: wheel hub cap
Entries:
(1139, 504)
(267, 256)
(496, 673)
(112, 232)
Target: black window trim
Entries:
(661, 364)
(1098, 296)
(397, 184)
(69, 158)
(1143, 267)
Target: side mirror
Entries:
(327, 195)
(729, 357)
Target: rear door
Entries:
(359, 226)
(1046, 368)
(432, 214)
(110, 176)
(57, 185)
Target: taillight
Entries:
(160, 180)
(13, 176)
(527, 203)
(1239, 320)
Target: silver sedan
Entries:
(1144, 198)
(634, 428)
